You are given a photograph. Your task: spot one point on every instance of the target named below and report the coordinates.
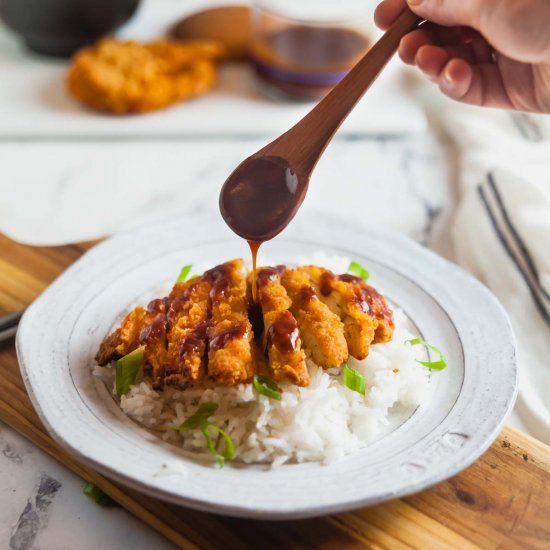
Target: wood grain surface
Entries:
(502, 501)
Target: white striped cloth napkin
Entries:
(501, 234)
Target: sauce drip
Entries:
(194, 342)
(157, 305)
(256, 318)
(349, 278)
(153, 332)
(178, 303)
(359, 289)
(269, 274)
(254, 247)
(219, 276)
(283, 333)
(307, 293)
(219, 341)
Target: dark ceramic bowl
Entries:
(60, 27)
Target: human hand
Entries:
(493, 53)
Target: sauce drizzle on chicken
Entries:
(211, 329)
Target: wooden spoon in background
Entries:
(264, 192)
(229, 25)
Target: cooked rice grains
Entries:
(321, 422)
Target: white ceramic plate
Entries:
(62, 330)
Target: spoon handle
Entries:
(304, 143)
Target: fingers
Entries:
(460, 42)
(431, 60)
(474, 84)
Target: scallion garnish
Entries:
(200, 420)
(229, 452)
(434, 365)
(359, 270)
(266, 386)
(97, 495)
(185, 270)
(203, 413)
(354, 380)
(127, 369)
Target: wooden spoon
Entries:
(264, 192)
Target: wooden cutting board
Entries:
(502, 501)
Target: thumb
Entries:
(451, 12)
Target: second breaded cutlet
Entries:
(281, 335)
(345, 298)
(321, 330)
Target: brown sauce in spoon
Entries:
(260, 198)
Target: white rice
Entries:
(322, 422)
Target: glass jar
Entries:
(301, 50)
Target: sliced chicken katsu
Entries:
(345, 298)
(321, 330)
(380, 308)
(230, 336)
(154, 337)
(124, 339)
(201, 332)
(188, 318)
(141, 327)
(281, 337)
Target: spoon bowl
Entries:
(261, 196)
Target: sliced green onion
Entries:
(200, 420)
(229, 451)
(354, 380)
(97, 495)
(267, 387)
(185, 270)
(434, 365)
(359, 270)
(203, 413)
(127, 369)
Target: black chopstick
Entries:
(8, 324)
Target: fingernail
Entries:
(414, 2)
(447, 76)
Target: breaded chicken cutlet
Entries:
(202, 333)
(129, 77)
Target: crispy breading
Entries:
(345, 298)
(124, 339)
(230, 336)
(281, 335)
(188, 320)
(154, 337)
(380, 308)
(321, 330)
(130, 77)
